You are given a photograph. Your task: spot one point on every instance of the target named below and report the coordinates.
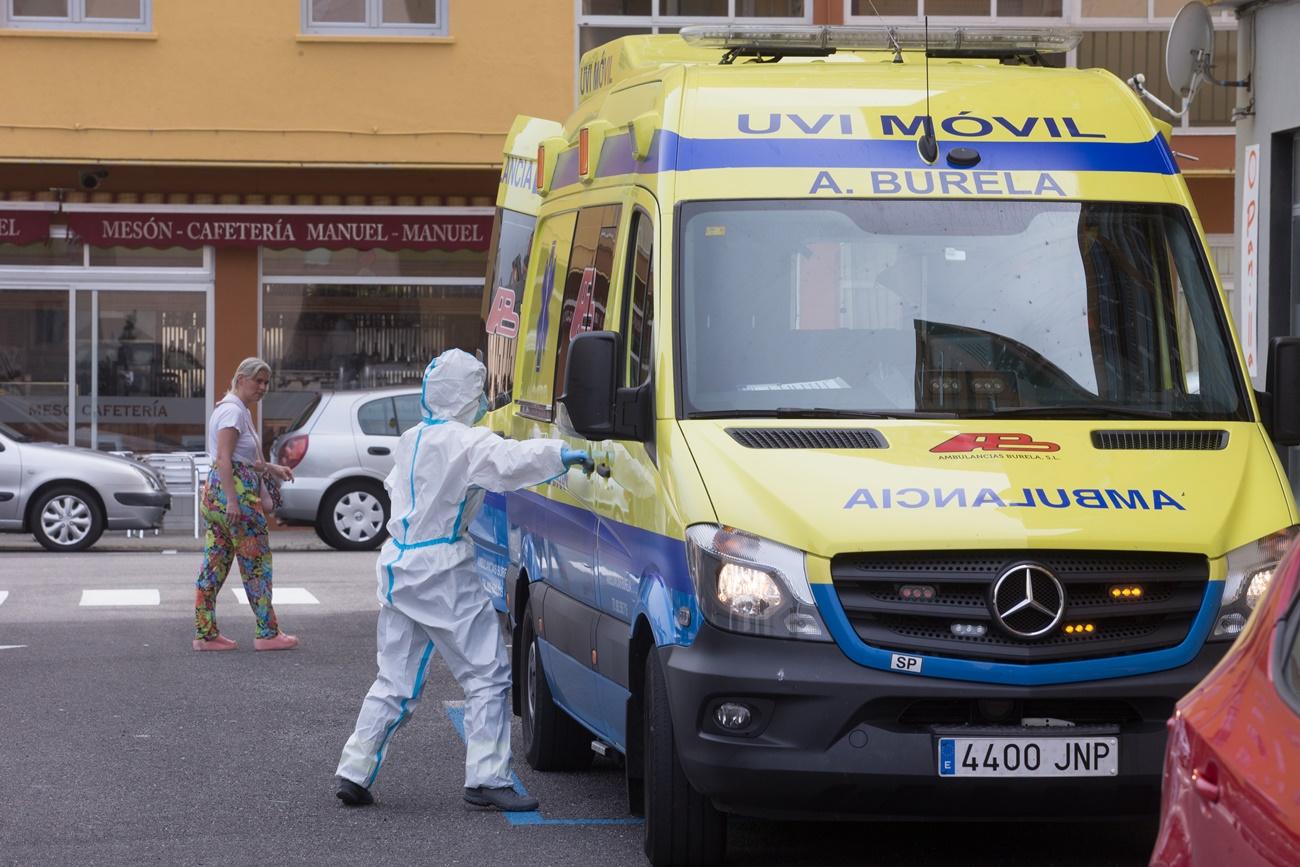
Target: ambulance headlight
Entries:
(752, 585)
(1250, 569)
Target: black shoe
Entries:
(351, 794)
(503, 798)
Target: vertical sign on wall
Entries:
(1250, 259)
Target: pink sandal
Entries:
(217, 642)
(280, 641)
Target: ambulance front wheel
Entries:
(681, 825)
(553, 741)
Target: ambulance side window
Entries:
(639, 323)
(503, 298)
(586, 287)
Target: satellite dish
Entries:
(1189, 54)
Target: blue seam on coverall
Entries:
(406, 524)
(401, 714)
(424, 382)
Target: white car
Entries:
(67, 496)
(340, 449)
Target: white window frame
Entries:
(76, 19)
(1071, 17)
(374, 25)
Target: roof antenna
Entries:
(926, 145)
(890, 33)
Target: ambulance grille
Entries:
(870, 590)
(807, 438)
(1161, 440)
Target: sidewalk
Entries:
(172, 539)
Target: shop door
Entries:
(141, 369)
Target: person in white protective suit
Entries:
(430, 595)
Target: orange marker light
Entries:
(582, 152)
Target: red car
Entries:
(1232, 767)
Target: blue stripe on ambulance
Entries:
(671, 152)
(1043, 674)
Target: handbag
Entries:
(269, 493)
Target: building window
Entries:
(375, 17)
(1122, 36)
(105, 347)
(349, 320)
(126, 15)
(602, 21)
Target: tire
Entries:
(553, 740)
(353, 516)
(66, 518)
(681, 825)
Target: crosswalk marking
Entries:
(282, 596)
(101, 598)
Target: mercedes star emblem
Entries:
(1028, 601)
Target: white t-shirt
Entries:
(232, 413)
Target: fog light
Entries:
(802, 624)
(1230, 624)
(732, 715)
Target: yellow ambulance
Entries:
(928, 474)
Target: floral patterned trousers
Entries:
(245, 538)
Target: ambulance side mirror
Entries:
(1282, 409)
(589, 383)
(598, 409)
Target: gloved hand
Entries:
(577, 457)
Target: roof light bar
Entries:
(975, 40)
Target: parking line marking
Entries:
(4, 594)
(103, 598)
(282, 596)
(11, 646)
(456, 712)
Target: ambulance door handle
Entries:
(378, 450)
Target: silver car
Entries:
(341, 448)
(67, 496)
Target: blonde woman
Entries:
(234, 510)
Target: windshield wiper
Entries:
(827, 412)
(816, 412)
(1071, 410)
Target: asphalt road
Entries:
(119, 745)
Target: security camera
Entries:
(90, 179)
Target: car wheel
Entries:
(681, 825)
(353, 516)
(66, 518)
(553, 740)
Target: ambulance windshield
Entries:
(961, 308)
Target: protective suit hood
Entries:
(452, 387)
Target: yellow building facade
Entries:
(185, 184)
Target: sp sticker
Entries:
(905, 664)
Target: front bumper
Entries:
(832, 739)
(137, 510)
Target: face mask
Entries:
(482, 408)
